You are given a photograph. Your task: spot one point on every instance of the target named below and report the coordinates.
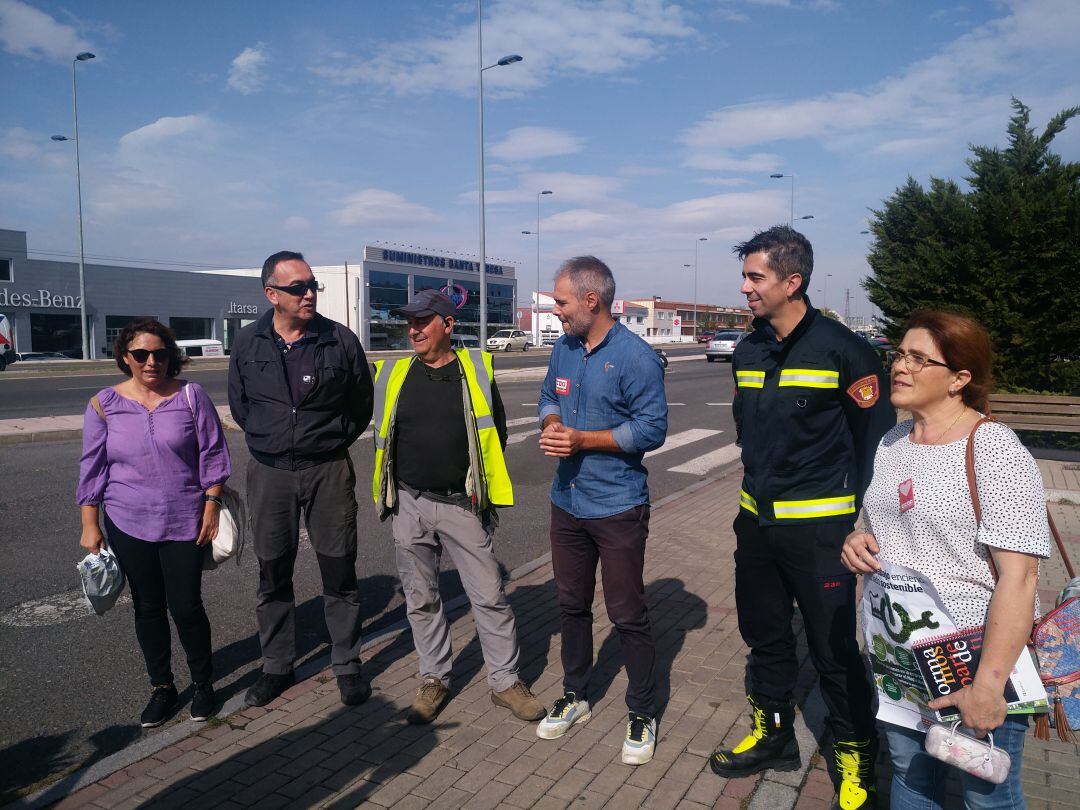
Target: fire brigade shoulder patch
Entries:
(865, 391)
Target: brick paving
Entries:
(307, 750)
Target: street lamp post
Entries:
(696, 245)
(539, 194)
(780, 175)
(506, 60)
(83, 324)
(825, 295)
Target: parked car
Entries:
(882, 346)
(722, 346)
(465, 342)
(34, 356)
(201, 348)
(705, 337)
(506, 339)
(7, 343)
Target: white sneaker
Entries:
(566, 712)
(640, 742)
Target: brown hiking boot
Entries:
(520, 701)
(430, 698)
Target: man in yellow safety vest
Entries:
(440, 431)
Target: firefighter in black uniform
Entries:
(809, 411)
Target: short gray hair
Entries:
(589, 274)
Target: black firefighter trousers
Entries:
(776, 567)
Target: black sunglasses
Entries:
(298, 288)
(140, 356)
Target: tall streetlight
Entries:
(697, 244)
(85, 56)
(780, 175)
(825, 295)
(506, 60)
(808, 216)
(688, 267)
(539, 194)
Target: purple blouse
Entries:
(149, 469)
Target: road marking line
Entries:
(523, 421)
(709, 461)
(514, 438)
(681, 439)
(675, 403)
(81, 388)
(717, 403)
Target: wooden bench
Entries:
(1053, 414)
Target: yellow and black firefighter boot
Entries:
(856, 788)
(771, 743)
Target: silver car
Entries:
(723, 344)
(506, 339)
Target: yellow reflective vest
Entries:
(487, 482)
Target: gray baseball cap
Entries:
(427, 302)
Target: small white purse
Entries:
(972, 756)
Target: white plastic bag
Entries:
(102, 580)
(232, 531)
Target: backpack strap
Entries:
(95, 403)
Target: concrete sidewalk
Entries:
(307, 750)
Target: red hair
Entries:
(965, 346)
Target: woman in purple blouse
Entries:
(154, 462)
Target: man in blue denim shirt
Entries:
(602, 406)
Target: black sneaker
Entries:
(203, 702)
(353, 688)
(267, 688)
(161, 705)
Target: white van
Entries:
(201, 348)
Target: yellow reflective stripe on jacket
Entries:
(819, 507)
(750, 379)
(809, 378)
(747, 501)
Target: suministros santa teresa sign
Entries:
(398, 256)
(45, 299)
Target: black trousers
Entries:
(165, 576)
(776, 567)
(618, 544)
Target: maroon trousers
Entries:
(618, 544)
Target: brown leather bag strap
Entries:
(95, 403)
(969, 464)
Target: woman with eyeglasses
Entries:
(919, 514)
(153, 464)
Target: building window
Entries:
(192, 328)
(5, 270)
(56, 333)
(385, 292)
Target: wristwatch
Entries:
(215, 498)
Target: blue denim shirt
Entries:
(618, 386)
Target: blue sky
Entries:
(218, 132)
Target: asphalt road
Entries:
(72, 684)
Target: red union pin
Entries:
(907, 495)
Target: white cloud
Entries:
(246, 73)
(530, 143)
(641, 171)
(297, 223)
(374, 206)
(941, 95)
(566, 186)
(27, 31)
(29, 148)
(559, 37)
(165, 128)
(724, 181)
(723, 161)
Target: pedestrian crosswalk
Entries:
(710, 458)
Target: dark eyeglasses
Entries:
(913, 361)
(140, 356)
(298, 289)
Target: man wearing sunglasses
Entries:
(440, 432)
(300, 387)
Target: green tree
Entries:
(1006, 251)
